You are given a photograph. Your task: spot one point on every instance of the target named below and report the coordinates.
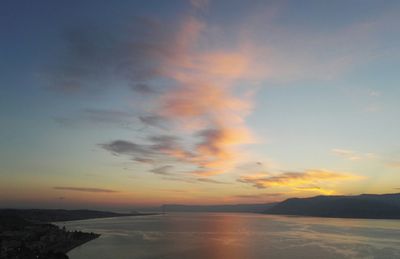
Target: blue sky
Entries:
(197, 101)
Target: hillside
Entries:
(373, 206)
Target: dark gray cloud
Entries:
(154, 121)
(258, 196)
(95, 58)
(164, 142)
(163, 170)
(83, 189)
(106, 115)
(142, 88)
(144, 160)
(251, 167)
(126, 148)
(158, 147)
(84, 63)
(209, 180)
(93, 117)
(210, 139)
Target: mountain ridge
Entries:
(373, 206)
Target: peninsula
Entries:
(28, 234)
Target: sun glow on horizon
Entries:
(186, 102)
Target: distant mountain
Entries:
(373, 206)
(218, 208)
(43, 215)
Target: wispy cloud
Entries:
(179, 179)
(98, 117)
(127, 147)
(210, 180)
(163, 170)
(374, 93)
(393, 164)
(154, 121)
(192, 180)
(161, 148)
(259, 196)
(298, 180)
(353, 155)
(142, 88)
(315, 188)
(199, 4)
(144, 160)
(84, 189)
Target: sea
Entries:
(236, 236)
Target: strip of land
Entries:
(28, 234)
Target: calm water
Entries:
(237, 236)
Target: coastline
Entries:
(29, 234)
(96, 234)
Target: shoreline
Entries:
(29, 234)
(67, 250)
(97, 235)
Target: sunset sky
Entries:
(117, 104)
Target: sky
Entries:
(140, 103)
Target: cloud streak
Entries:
(163, 170)
(353, 155)
(298, 180)
(84, 189)
(209, 180)
(98, 117)
(259, 196)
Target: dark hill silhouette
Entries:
(373, 206)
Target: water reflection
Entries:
(227, 240)
(238, 236)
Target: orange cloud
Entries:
(215, 153)
(203, 105)
(196, 99)
(317, 189)
(298, 180)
